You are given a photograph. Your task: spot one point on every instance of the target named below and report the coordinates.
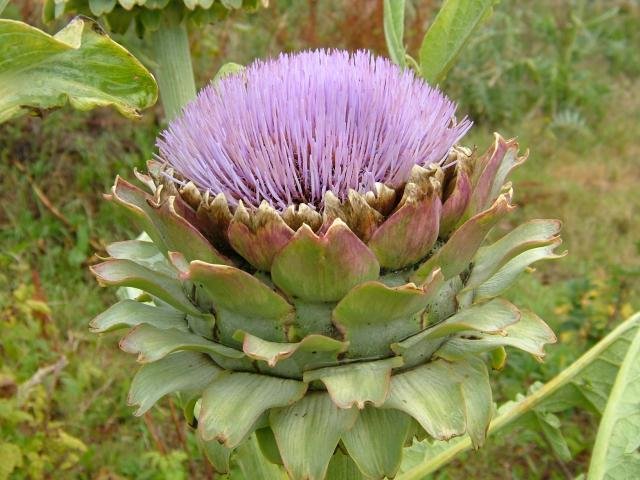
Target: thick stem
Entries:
(174, 72)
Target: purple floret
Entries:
(289, 129)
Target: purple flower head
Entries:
(289, 129)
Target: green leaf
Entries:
(342, 467)
(357, 383)
(308, 432)
(455, 255)
(178, 372)
(491, 317)
(217, 454)
(532, 234)
(549, 425)
(323, 268)
(80, 65)
(152, 344)
(268, 445)
(125, 273)
(447, 397)
(273, 352)
(529, 334)
(616, 453)
(242, 301)
(233, 402)
(143, 253)
(507, 275)
(250, 464)
(129, 313)
(453, 26)
(372, 316)
(585, 383)
(393, 24)
(10, 459)
(179, 234)
(375, 442)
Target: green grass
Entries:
(583, 169)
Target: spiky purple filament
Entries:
(287, 130)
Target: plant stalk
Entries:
(174, 71)
(420, 471)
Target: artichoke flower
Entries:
(318, 276)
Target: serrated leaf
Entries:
(456, 21)
(80, 65)
(393, 24)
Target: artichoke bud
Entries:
(328, 290)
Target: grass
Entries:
(583, 169)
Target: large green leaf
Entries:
(455, 23)
(616, 453)
(394, 30)
(80, 65)
(585, 383)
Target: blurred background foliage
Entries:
(561, 75)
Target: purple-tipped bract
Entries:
(287, 130)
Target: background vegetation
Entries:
(561, 75)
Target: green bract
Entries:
(335, 337)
